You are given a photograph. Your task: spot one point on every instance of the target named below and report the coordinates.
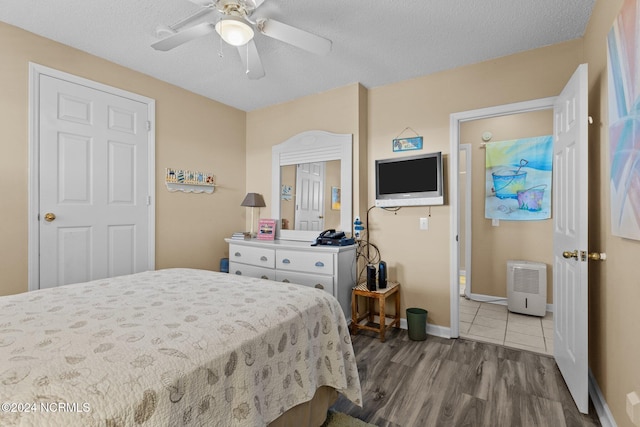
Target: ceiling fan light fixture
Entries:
(234, 30)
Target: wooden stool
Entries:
(381, 294)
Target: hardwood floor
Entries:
(442, 382)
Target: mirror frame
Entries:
(307, 147)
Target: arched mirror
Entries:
(312, 184)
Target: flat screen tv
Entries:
(410, 181)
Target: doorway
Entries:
(92, 180)
(483, 307)
(456, 122)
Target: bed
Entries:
(172, 347)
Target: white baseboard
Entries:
(435, 330)
(602, 409)
(497, 300)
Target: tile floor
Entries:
(489, 322)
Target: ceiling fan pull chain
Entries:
(220, 54)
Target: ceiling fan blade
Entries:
(184, 36)
(251, 60)
(203, 3)
(295, 36)
(257, 3)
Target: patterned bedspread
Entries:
(170, 347)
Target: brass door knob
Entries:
(49, 217)
(597, 256)
(568, 254)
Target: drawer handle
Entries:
(238, 272)
(264, 277)
(286, 281)
(319, 264)
(263, 258)
(286, 261)
(319, 286)
(237, 254)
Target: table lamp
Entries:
(253, 200)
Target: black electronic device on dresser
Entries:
(333, 238)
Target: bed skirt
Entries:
(312, 413)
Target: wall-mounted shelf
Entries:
(189, 181)
(189, 188)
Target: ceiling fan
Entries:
(236, 27)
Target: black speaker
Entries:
(382, 275)
(371, 277)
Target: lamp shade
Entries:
(234, 30)
(253, 200)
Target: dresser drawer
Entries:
(306, 262)
(312, 280)
(251, 271)
(262, 257)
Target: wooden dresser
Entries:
(332, 268)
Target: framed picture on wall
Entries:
(266, 229)
(406, 144)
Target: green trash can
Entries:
(417, 324)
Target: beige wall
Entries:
(492, 245)
(192, 132)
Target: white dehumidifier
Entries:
(527, 287)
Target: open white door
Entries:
(570, 221)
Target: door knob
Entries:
(597, 256)
(49, 217)
(568, 254)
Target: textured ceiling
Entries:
(375, 42)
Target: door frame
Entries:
(454, 146)
(467, 219)
(35, 71)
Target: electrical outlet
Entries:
(495, 222)
(424, 223)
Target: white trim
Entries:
(35, 71)
(467, 219)
(454, 144)
(435, 330)
(602, 409)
